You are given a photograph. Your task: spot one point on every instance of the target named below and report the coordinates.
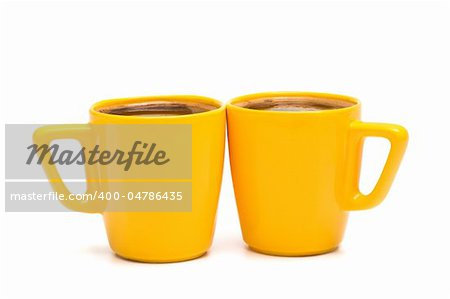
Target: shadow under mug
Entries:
(296, 173)
(157, 236)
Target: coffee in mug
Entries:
(191, 131)
(158, 108)
(295, 159)
(294, 104)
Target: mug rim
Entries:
(231, 104)
(94, 109)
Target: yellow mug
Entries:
(150, 236)
(296, 173)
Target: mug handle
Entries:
(398, 138)
(82, 133)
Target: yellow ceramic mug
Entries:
(161, 236)
(296, 173)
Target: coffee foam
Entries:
(294, 104)
(157, 108)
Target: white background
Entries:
(59, 58)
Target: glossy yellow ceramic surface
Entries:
(157, 236)
(296, 174)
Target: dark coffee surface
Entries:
(158, 108)
(294, 104)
